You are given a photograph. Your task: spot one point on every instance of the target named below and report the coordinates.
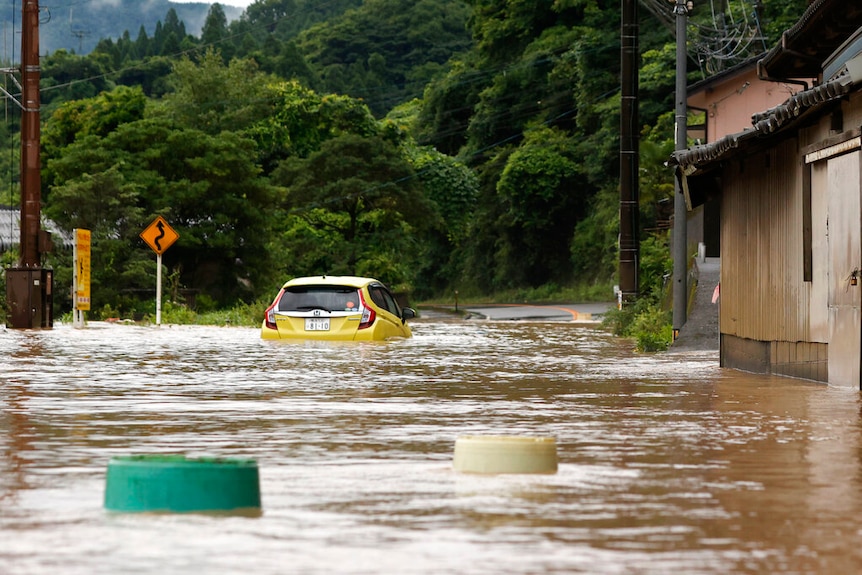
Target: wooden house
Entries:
(720, 105)
(789, 188)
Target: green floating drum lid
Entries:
(493, 454)
(174, 483)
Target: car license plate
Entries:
(317, 324)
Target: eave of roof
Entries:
(804, 47)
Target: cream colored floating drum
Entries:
(494, 454)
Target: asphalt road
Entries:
(579, 312)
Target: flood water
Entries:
(667, 463)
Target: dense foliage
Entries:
(439, 145)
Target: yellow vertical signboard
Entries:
(82, 270)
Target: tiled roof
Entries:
(767, 123)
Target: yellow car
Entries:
(343, 308)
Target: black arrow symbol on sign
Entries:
(161, 227)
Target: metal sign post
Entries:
(81, 276)
(158, 289)
(159, 236)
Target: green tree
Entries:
(171, 45)
(268, 13)
(360, 191)
(107, 204)
(143, 44)
(298, 120)
(68, 76)
(284, 60)
(214, 97)
(284, 19)
(209, 188)
(150, 74)
(386, 51)
(78, 119)
(215, 26)
(542, 134)
(539, 192)
(453, 189)
(448, 106)
(173, 25)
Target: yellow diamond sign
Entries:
(159, 235)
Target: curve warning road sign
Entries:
(159, 235)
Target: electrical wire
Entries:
(728, 40)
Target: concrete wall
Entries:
(803, 360)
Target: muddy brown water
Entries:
(667, 463)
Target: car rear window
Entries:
(330, 298)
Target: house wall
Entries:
(766, 316)
(730, 104)
(775, 317)
(763, 295)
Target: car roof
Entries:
(350, 281)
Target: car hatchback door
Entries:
(321, 312)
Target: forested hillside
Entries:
(438, 145)
(78, 25)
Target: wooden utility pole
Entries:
(31, 183)
(29, 287)
(629, 138)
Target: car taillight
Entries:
(368, 314)
(269, 315)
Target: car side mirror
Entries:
(407, 313)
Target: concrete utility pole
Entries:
(680, 210)
(29, 286)
(629, 138)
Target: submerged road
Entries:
(667, 463)
(578, 312)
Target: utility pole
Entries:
(78, 33)
(680, 210)
(629, 138)
(29, 286)
(31, 193)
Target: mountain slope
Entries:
(78, 26)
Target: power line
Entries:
(732, 35)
